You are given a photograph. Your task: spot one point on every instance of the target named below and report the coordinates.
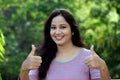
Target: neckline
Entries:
(77, 55)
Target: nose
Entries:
(57, 31)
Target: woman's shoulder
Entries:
(85, 51)
(33, 72)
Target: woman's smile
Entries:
(59, 37)
(60, 31)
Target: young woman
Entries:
(63, 55)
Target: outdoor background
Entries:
(21, 24)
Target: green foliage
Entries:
(2, 50)
(21, 22)
(0, 77)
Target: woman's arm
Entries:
(95, 62)
(24, 72)
(30, 63)
(24, 75)
(104, 71)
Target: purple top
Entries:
(75, 69)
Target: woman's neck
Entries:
(67, 52)
(64, 49)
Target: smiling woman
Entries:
(63, 55)
(60, 31)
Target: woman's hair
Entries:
(49, 48)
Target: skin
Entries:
(60, 31)
(61, 34)
(95, 62)
(31, 62)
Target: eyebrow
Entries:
(52, 25)
(60, 24)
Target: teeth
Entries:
(58, 37)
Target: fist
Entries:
(93, 61)
(32, 61)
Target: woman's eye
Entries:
(63, 27)
(53, 27)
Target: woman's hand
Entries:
(32, 61)
(94, 61)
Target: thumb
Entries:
(92, 50)
(33, 50)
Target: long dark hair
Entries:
(49, 48)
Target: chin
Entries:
(59, 44)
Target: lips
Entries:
(58, 37)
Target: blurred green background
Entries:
(21, 24)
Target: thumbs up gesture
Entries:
(93, 61)
(32, 61)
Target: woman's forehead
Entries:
(58, 19)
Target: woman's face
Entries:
(60, 31)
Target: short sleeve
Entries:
(95, 74)
(33, 74)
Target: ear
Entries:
(72, 33)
